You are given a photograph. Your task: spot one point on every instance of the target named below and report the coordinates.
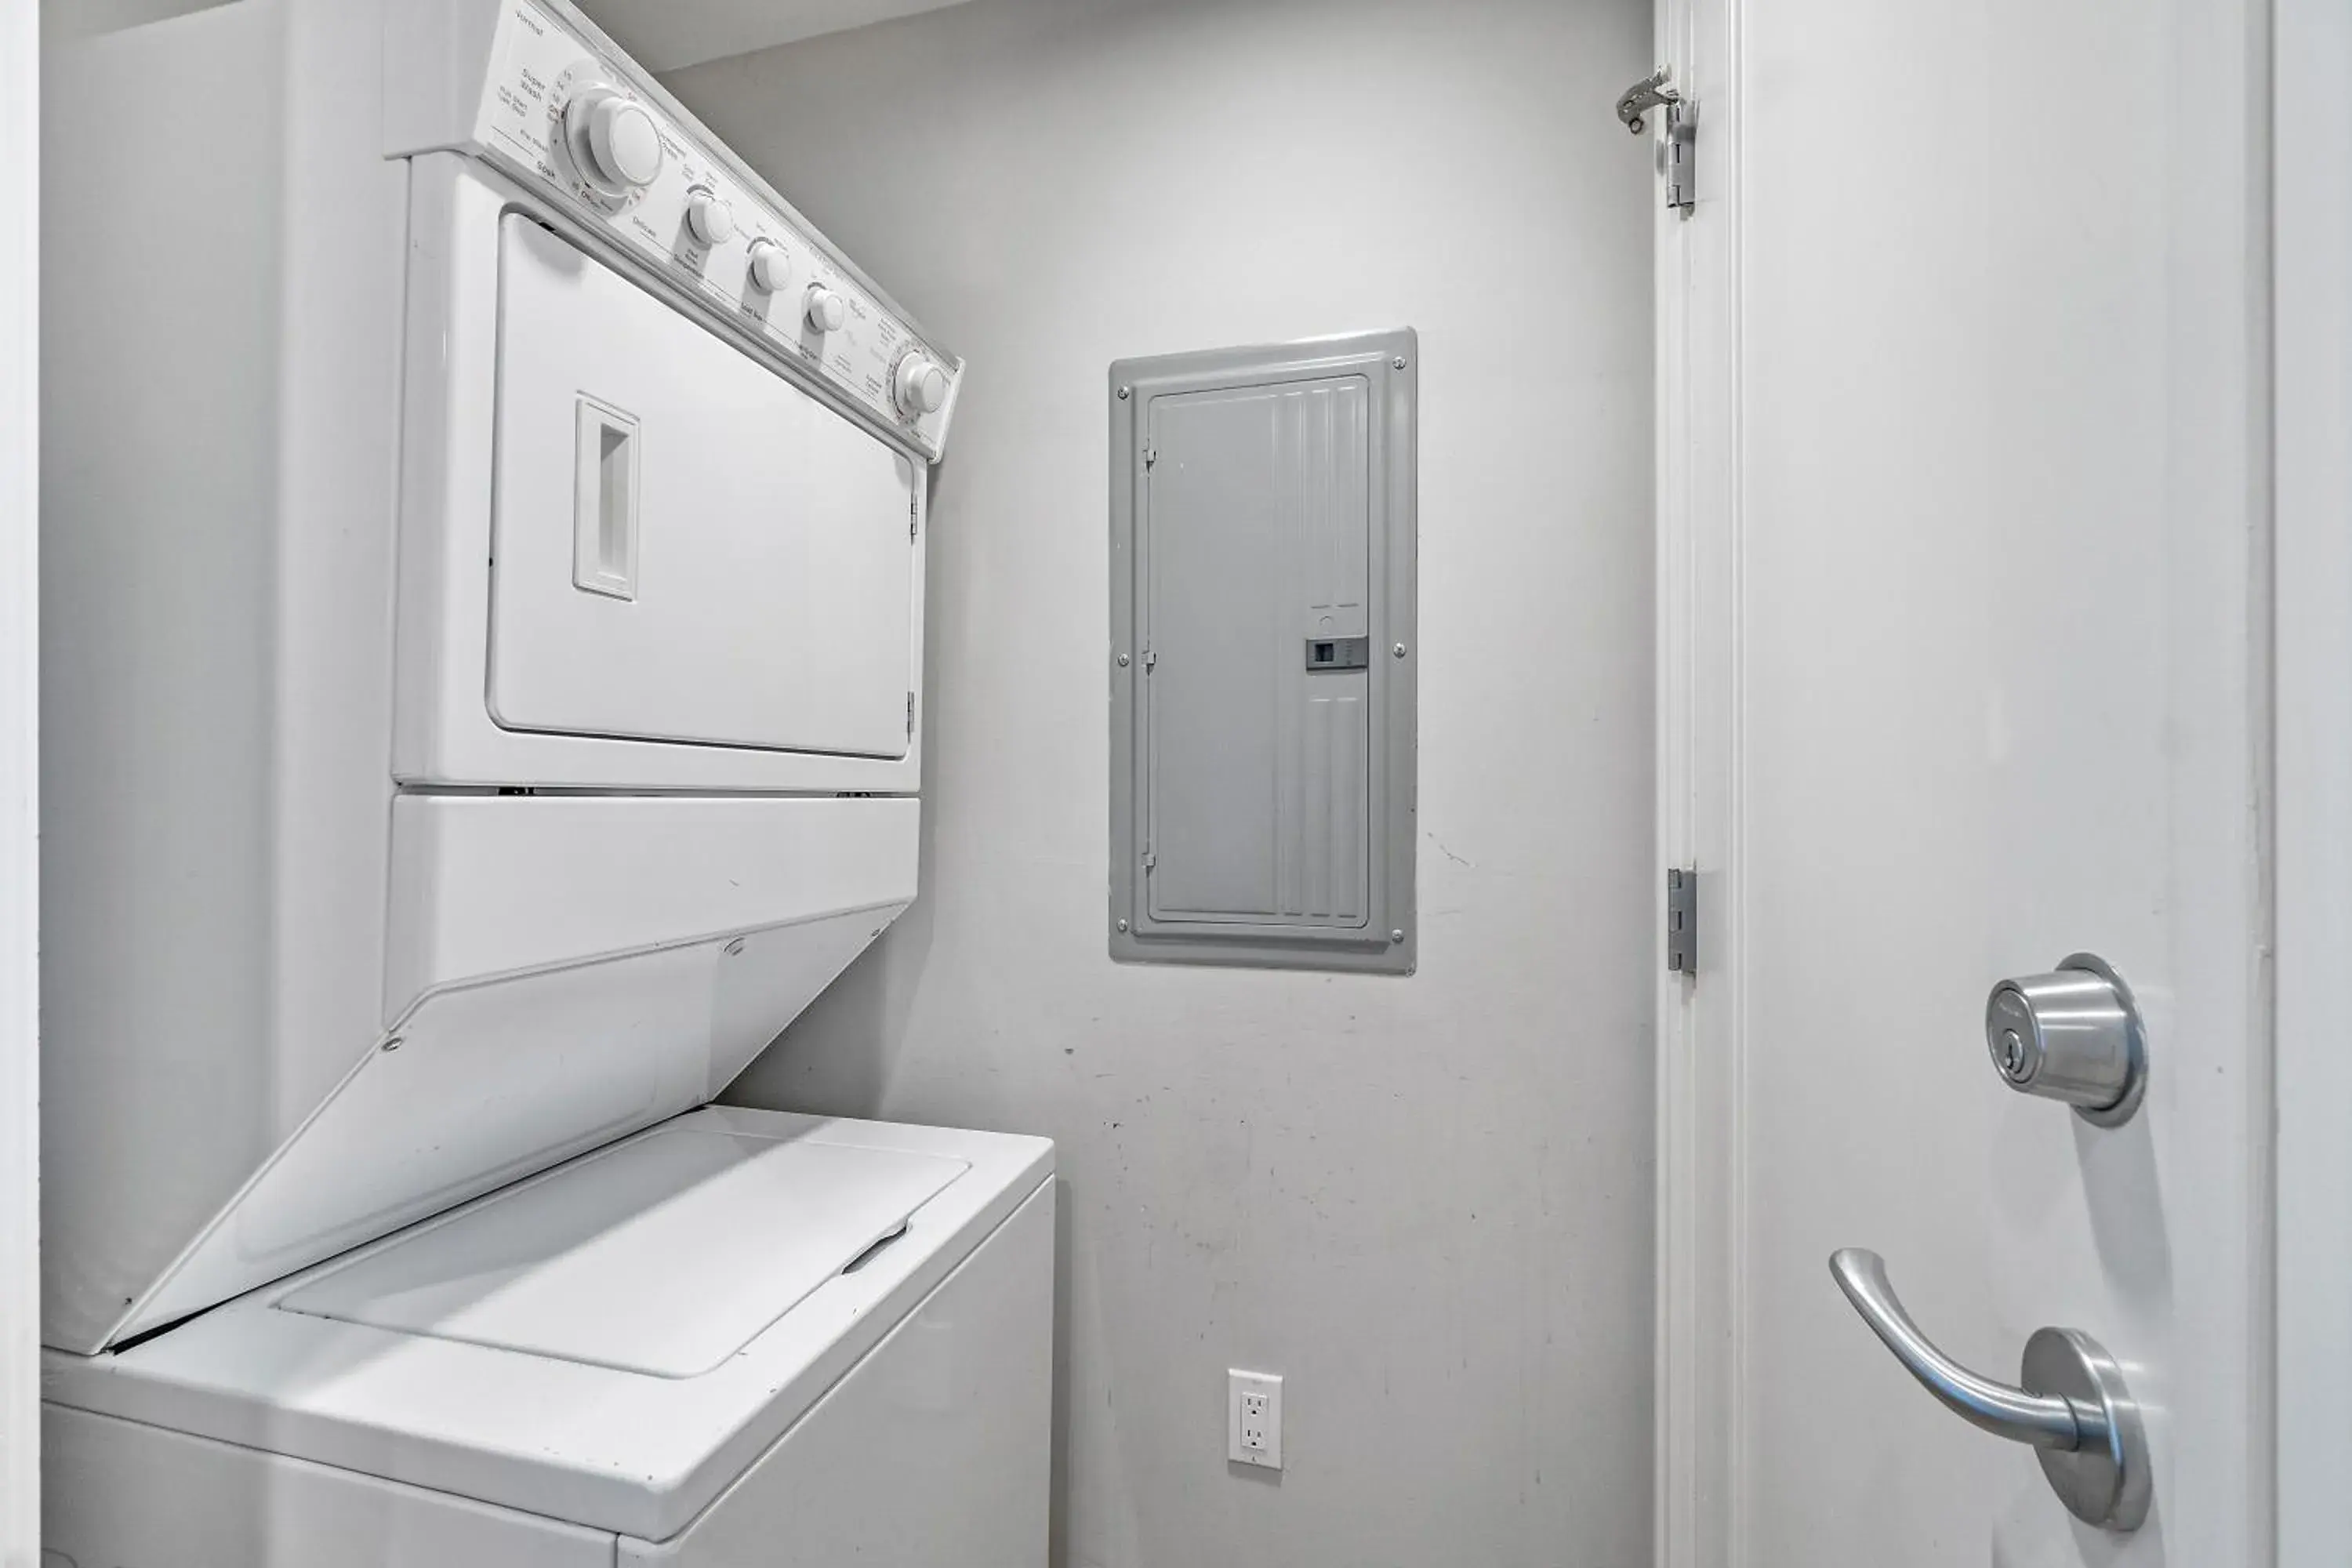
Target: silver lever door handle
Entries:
(2073, 1407)
(2044, 1420)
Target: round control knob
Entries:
(920, 385)
(709, 216)
(826, 311)
(771, 265)
(615, 139)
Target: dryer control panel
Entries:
(568, 116)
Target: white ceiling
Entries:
(669, 35)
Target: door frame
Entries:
(2312, 399)
(20, 1283)
(1698, 1480)
(1702, 1053)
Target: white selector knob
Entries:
(616, 138)
(771, 265)
(712, 220)
(826, 310)
(922, 386)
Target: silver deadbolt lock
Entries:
(2073, 1035)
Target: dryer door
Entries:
(686, 546)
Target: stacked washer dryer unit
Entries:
(484, 545)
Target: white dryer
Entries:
(483, 529)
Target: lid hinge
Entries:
(1682, 920)
(1680, 162)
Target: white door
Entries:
(1967, 576)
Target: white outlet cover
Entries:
(1253, 1441)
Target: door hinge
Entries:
(1151, 659)
(910, 715)
(1682, 922)
(1680, 161)
(1151, 455)
(911, 511)
(1149, 859)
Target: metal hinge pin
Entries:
(1682, 131)
(1682, 920)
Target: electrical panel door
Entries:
(1262, 681)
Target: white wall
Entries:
(1426, 1202)
(62, 19)
(664, 35)
(20, 904)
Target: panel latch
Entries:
(1338, 653)
(1681, 157)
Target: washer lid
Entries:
(664, 1256)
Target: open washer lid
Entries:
(525, 1350)
(663, 1256)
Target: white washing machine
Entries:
(483, 529)
(739, 1337)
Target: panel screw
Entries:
(735, 947)
(1398, 361)
(1123, 925)
(391, 1045)
(1397, 935)
(1123, 392)
(1398, 650)
(1122, 661)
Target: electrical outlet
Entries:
(1253, 1418)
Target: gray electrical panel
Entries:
(1262, 658)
